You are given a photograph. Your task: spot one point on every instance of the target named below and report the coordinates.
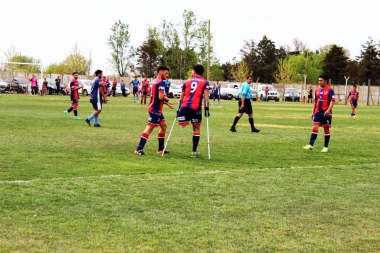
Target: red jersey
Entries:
(74, 91)
(193, 90)
(354, 95)
(155, 105)
(323, 97)
(145, 85)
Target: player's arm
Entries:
(315, 105)
(332, 103)
(349, 94)
(242, 99)
(101, 92)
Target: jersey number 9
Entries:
(193, 87)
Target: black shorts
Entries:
(185, 115)
(247, 106)
(310, 96)
(113, 88)
(135, 90)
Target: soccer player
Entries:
(324, 101)
(74, 95)
(156, 118)
(216, 93)
(245, 105)
(167, 83)
(354, 97)
(190, 109)
(135, 89)
(97, 98)
(144, 90)
(113, 91)
(310, 95)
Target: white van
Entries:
(273, 94)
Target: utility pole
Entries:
(345, 92)
(89, 66)
(208, 53)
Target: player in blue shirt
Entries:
(245, 105)
(97, 98)
(135, 89)
(216, 92)
(167, 83)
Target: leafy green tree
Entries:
(148, 59)
(76, 61)
(227, 71)
(249, 55)
(241, 71)
(285, 72)
(335, 63)
(369, 62)
(121, 51)
(12, 55)
(266, 53)
(352, 71)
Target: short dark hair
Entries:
(98, 72)
(217, 80)
(74, 73)
(199, 69)
(161, 68)
(354, 85)
(324, 77)
(249, 76)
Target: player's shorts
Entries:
(97, 106)
(113, 88)
(185, 115)
(155, 119)
(144, 93)
(354, 103)
(310, 96)
(74, 102)
(217, 95)
(135, 90)
(247, 106)
(319, 119)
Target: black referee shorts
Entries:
(247, 106)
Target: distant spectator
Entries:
(310, 95)
(113, 91)
(33, 84)
(266, 90)
(58, 84)
(44, 87)
(122, 86)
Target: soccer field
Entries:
(68, 187)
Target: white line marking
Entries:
(179, 173)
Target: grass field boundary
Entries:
(206, 172)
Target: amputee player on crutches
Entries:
(190, 109)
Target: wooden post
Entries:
(368, 89)
(378, 96)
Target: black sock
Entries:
(75, 112)
(251, 122)
(70, 109)
(235, 121)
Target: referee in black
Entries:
(245, 105)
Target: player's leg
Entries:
(317, 122)
(161, 136)
(97, 110)
(196, 122)
(219, 100)
(153, 122)
(326, 126)
(75, 109)
(65, 113)
(248, 110)
(96, 119)
(237, 118)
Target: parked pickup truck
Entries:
(231, 88)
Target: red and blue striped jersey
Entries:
(74, 91)
(354, 95)
(323, 98)
(193, 90)
(155, 105)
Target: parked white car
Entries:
(3, 85)
(231, 88)
(86, 87)
(273, 94)
(175, 91)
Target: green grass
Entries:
(66, 187)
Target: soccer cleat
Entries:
(77, 118)
(98, 125)
(308, 147)
(325, 150)
(233, 129)
(160, 152)
(88, 121)
(65, 114)
(255, 130)
(195, 154)
(140, 152)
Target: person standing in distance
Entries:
(354, 97)
(58, 84)
(74, 95)
(122, 87)
(216, 93)
(310, 95)
(144, 90)
(190, 109)
(135, 89)
(156, 118)
(322, 112)
(114, 85)
(167, 83)
(245, 105)
(97, 98)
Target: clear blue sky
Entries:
(47, 29)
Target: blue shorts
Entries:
(216, 95)
(97, 106)
(74, 101)
(319, 119)
(155, 119)
(135, 90)
(144, 93)
(185, 115)
(354, 103)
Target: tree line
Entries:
(179, 45)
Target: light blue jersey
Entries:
(245, 89)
